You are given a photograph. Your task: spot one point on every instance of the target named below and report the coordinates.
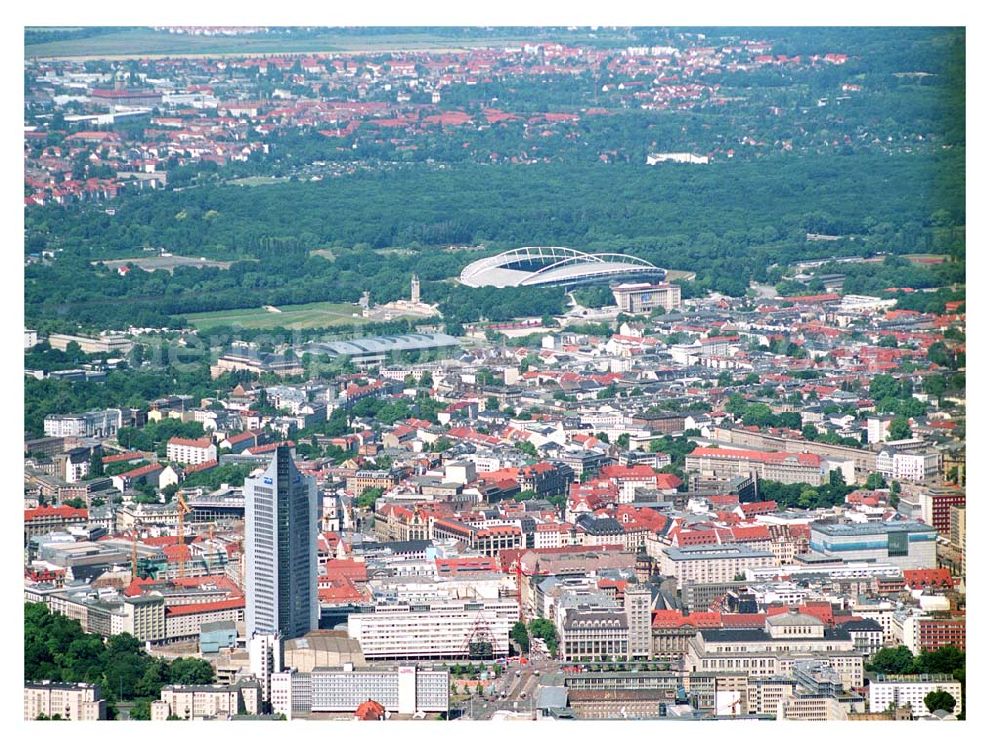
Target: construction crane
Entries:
(182, 509)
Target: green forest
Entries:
(729, 223)
(56, 648)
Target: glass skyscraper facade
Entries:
(280, 544)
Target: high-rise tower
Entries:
(280, 546)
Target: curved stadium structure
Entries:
(553, 266)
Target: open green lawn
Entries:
(257, 180)
(298, 316)
(673, 275)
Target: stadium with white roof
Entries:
(554, 266)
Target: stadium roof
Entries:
(383, 344)
(555, 266)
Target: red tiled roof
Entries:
(743, 620)
(146, 469)
(755, 507)
(196, 443)
(772, 457)
(370, 710)
(237, 438)
(191, 469)
(673, 618)
(206, 607)
(928, 577)
(625, 472)
(127, 456)
(176, 552)
(65, 512)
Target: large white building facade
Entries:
(911, 690)
(281, 559)
(406, 689)
(908, 545)
(435, 630)
(99, 423)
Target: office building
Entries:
(644, 298)
(590, 633)
(118, 344)
(784, 467)
(774, 650)
(281, 559)
(708, 563)
(404, 689)
(905, 544)
(452, 629)
(638, 611)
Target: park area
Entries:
(292, 317)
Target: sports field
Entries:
(674, 275)
(293, 317)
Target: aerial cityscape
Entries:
(494, 373)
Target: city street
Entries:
(514, 689)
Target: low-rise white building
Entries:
(911, 690)
(191, 451)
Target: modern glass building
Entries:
(281, 533)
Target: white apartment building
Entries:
(878, 430)
(69, 701)
(882, 613)
(911, 690)
(207, 702)
(909, 466)
(96, 423)
(436, 629)
(604, 417)
(191, 451)
(266, 652)
(553, 535)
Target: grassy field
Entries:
(166, 262)
(324, 253)
(257, 180)
(145, 42)
(293, 317)
(673, 275)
